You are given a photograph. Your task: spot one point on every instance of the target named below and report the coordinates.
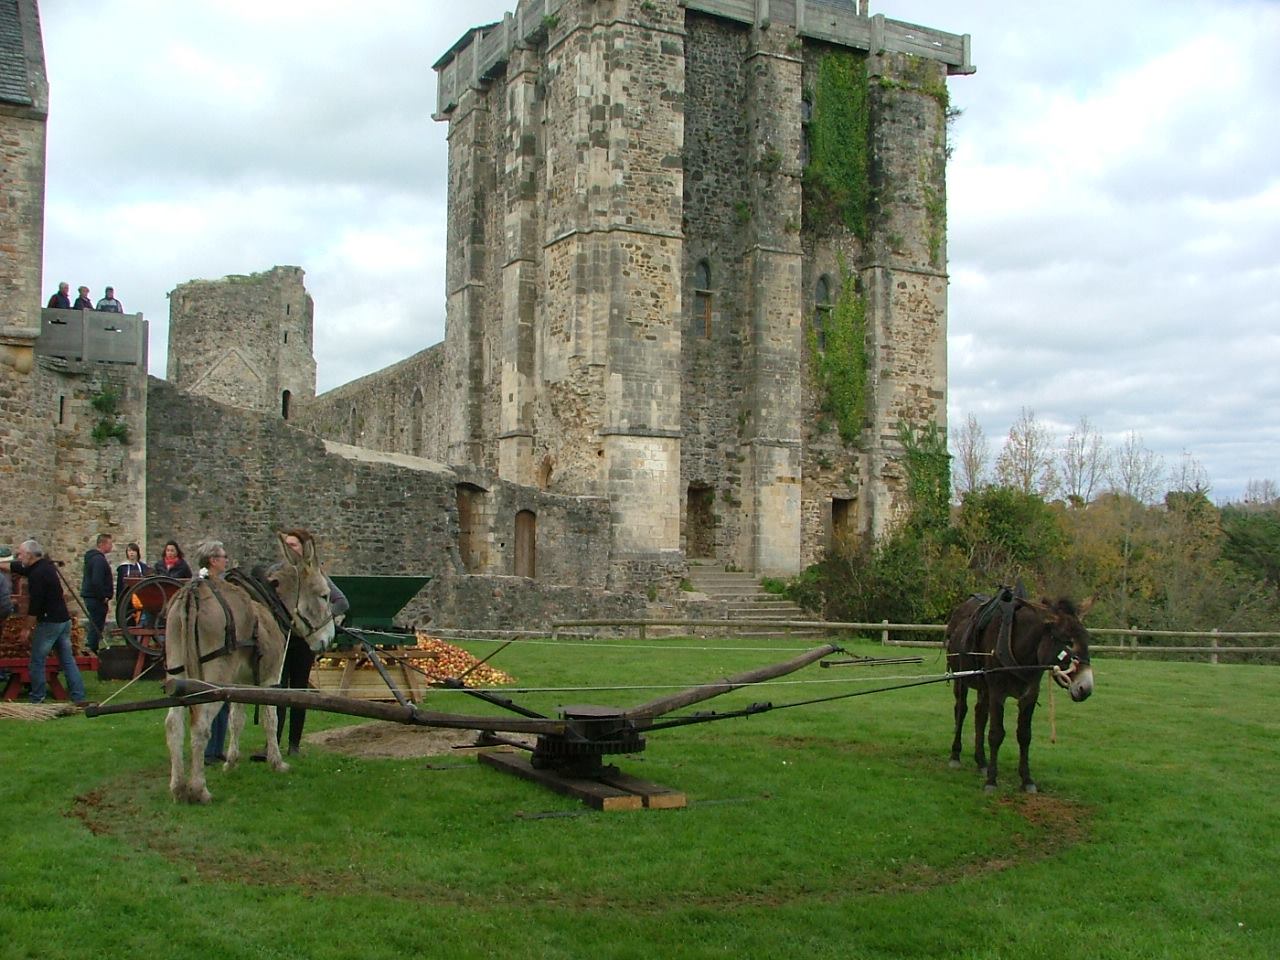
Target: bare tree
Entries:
(1135, 474)
(1026, 462)
(1135, 471)
(1084, 463)
(1190, 476)
(1261, 492)
(972, 457)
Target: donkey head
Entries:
(302, 588)
(1065, 645)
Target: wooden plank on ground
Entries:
(654, 795)
(591, 792)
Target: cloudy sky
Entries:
(1114, 193)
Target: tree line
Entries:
(1074, 519)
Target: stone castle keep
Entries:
(638, 275)
(696, 283)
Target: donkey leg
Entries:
(981, 711)
(201, 720)
(174, 735)
(235, 726)
(273, 745)
(961, 709)
(995, 711)
(1026, 709)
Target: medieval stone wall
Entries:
(620, 155)
(400, 409)
(22, 149)
(715, 389)
(244, 340)
(238, 475)
(26, 439)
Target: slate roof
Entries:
(15, 64)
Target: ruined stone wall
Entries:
(400, 409)
(238, 475)
(244, 340)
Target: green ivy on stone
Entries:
(841, 366)
(837, 179)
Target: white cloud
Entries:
(1114, 200)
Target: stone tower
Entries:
(244, 340)
(663, 263)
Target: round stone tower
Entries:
(244, 340)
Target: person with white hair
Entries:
(53, 622)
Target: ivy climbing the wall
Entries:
(841, 366)
(110, 426)
(837, 180)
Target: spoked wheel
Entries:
(140, 612)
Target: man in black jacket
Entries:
(97, 588)
(53, 622)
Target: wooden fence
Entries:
(885, 629)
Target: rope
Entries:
(144, 670)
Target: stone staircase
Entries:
(746, 600)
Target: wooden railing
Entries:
(885, 629)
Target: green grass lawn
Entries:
(835, 830)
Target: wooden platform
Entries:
(613, 791)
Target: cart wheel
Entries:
(140, 612)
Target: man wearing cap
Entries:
(53, 622)
(109, 303)
(83, 302)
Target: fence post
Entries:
(884, 634)
(1213, 657)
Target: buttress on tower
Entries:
(649, 272)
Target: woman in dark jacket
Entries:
(172, 563)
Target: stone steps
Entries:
(745, 600)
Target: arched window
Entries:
(284, 404)
(415, 423)
(353, 428)
(702, 299)
(821, 310)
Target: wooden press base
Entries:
(613, 791)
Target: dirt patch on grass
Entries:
(391, 740)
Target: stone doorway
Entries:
(844, 526)
(526, 544)
(700, 522)
(471, 527)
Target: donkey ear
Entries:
(309, 557)
(1086, 605)
(286, 555)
